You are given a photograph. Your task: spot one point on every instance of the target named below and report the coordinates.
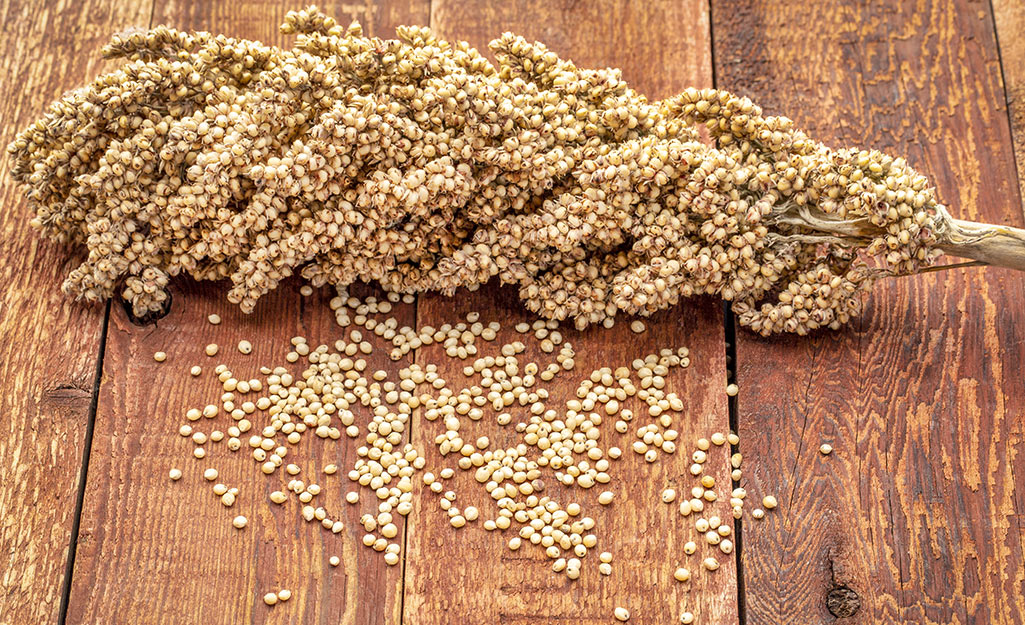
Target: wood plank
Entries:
(916, 511)
(471, 575)
(155, 551)
(48, 345)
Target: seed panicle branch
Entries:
(418, 164)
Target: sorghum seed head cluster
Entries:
(420, 165)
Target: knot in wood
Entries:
(843, 602)
(150, 317)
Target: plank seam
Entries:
(83, 472)
(405, 522)
(730, 332)
(1007, 101)
(412, 422)
(730, 335)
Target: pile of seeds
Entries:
(418, 164)
(337, 395)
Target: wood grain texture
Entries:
(45, 387)
(1009, 17)
(662, 48)
(155, 551)
(917, 510)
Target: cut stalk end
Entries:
(1001, 246)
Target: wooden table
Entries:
(916, 516)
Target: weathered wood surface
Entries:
(918, 511)
(661, 48)
(48, 344)
(156, 551)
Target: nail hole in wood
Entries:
(842, 602)
(150, 317)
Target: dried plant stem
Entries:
(986, 244)
(1001, 246)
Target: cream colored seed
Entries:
(686, 618)
(196, 370)
(270, 598)
(210, 474)
(682, 574)
(606, 497)
(758, 513)
(239, 522)
(175, 475)
(732, 390)
(622, 614)
(211, 349)
(668, 495)
(159, 356)
(334, 561)
(769, 502)
(733, 439)
(826, 449)
(245, 347)
(710, 563)
(690, 547)
(284, 595)
(637, 326)
(214, 319)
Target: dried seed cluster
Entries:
(418, 164)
